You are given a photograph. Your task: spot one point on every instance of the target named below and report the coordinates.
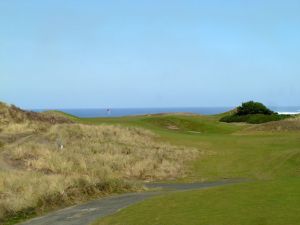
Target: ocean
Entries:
(119, 112)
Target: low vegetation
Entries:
(253, 113)
(10, 114)
(44, 164)
(267, 153)
(254, 118)
(257, 203)
(291, 124)
(253, 108)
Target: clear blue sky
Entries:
(154, 53)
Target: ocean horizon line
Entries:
(119, 112)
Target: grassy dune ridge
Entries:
(45, 164)
(92, 150)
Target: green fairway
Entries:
(227, 150)
(271, 158)
(257, 203)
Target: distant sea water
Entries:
(119, 112)
(288, 110)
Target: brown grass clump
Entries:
(47, 164)
(12, 114)
(291, 124)
(111, 151)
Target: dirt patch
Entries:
(172, 127)
(194, 132)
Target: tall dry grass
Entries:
(68, 163)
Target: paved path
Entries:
(86, 213)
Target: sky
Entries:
(149, 53)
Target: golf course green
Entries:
(267, 154)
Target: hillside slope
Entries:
(48, 160)
(13, 114)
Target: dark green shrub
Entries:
(253, 118)
(254, 113)
(253, 108)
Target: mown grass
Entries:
(170, 124)
(260, 203)
(268, 153)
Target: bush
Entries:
(254, 113)
(253, 118)
(253, 108)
